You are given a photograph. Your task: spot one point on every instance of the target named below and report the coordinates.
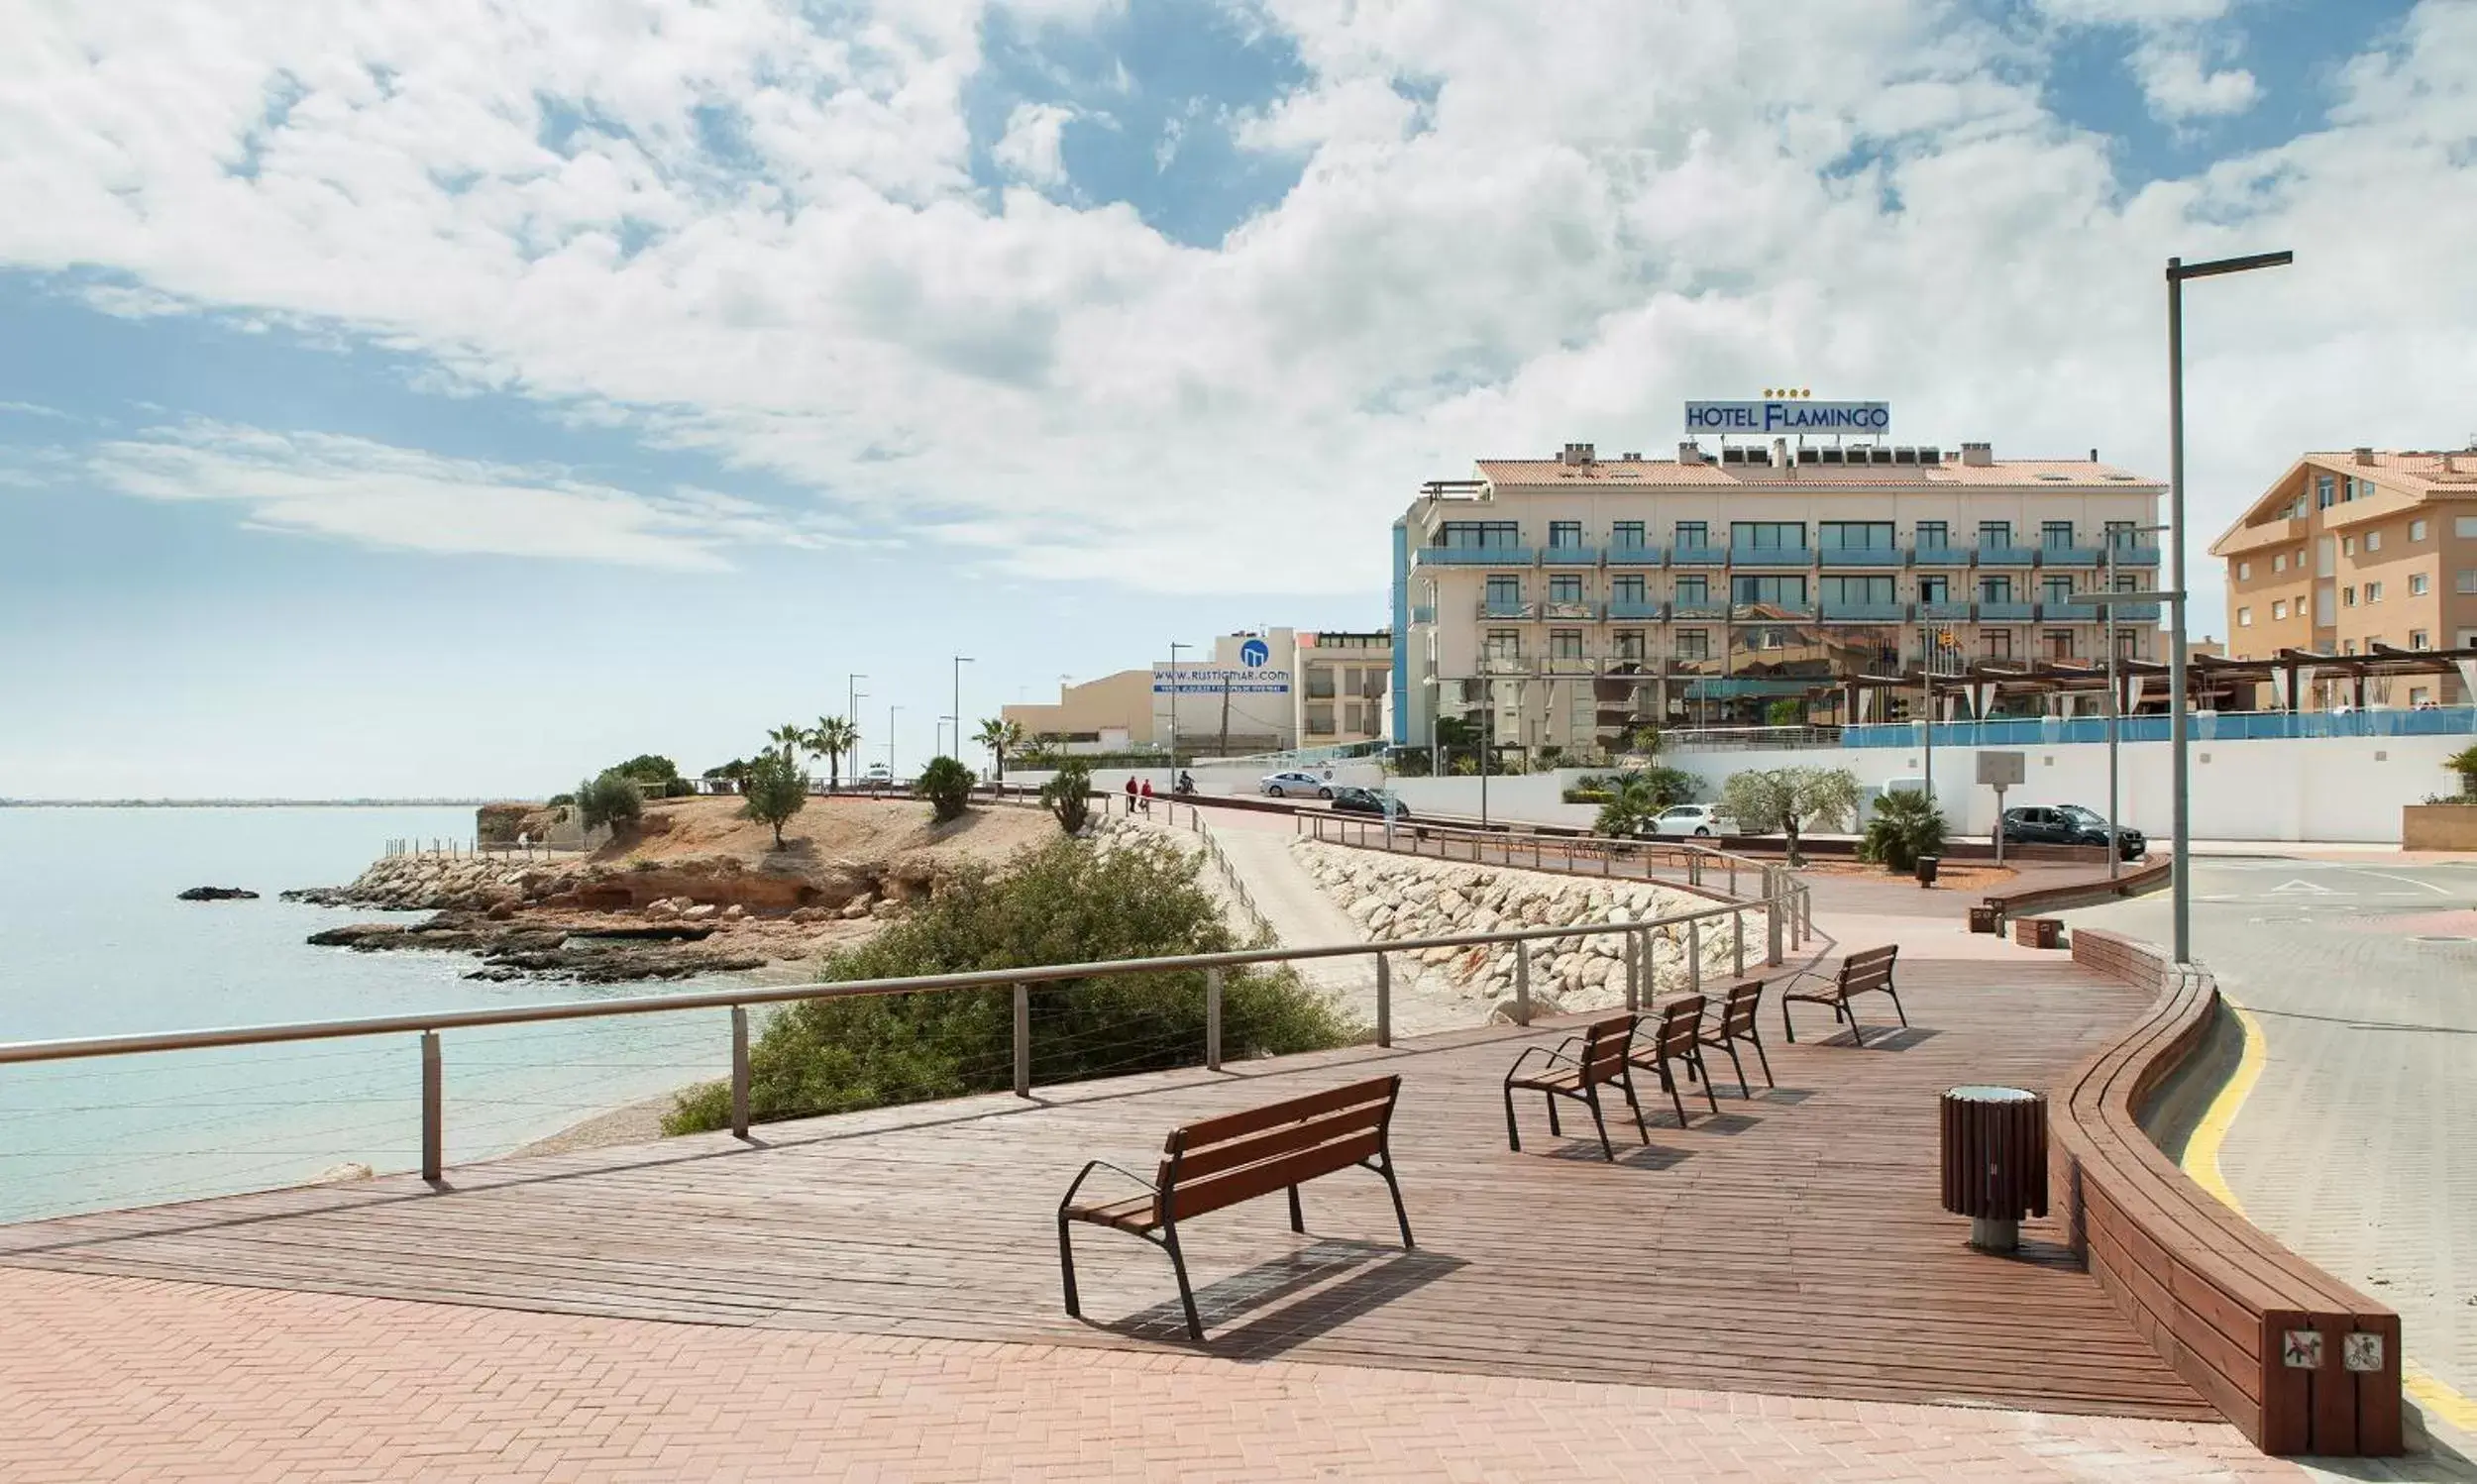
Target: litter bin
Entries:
(1994, 1161)
(1928, 867)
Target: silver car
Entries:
(1685, 819)
(1294, 784)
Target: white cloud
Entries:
(2179, 84)
(1032, 146)
(378, 496)
(1594, 219)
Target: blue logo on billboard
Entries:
(1255, 653)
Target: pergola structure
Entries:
(2215, 682)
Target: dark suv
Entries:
(1368, 802)
(2067, 824)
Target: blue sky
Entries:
(385, 417)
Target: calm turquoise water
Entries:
(92, 942)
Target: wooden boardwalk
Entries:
(1792, 1246)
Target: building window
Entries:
(2347, 546)
(1504, 592)
(2417, 530)
(2420, 639)
(2323, 492)
(1693, 533)
(1626, 588)
(1767, 535)
(2280, 563)
(1694, 643)
(2466, 582)
(1695, 589)
(2122, 534)
(2347, 646)
(2417, 697)
(2373, 593)
(2279, 609)
(1565, 644)
(1320, 682)
(1932, 536)
(2244, 572)
(1995, 533)
(1504, 644)
(2348, 596)
(1995, 644)
(2127, 644)
(1629, 644)
(1319, 721)
(2464, 527)
(2057, 589)
(1767, 590)
(1997, 590)
(1626, 533)
(1855, 535)
(2244, 618)
(1877, 589)
(2059, 643)
(1935, 590)
(2416, 585)
(2056, 535)
(2373, 541)
(1564, 533)
(1565, 587)
(1467, 534)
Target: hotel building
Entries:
(1582, 597)
(2355, 554)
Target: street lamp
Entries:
(961, 662)
(1487, 743)
(889, 742)
(2108, 601)
(851, 710)
(2177, 270)
(1175, 647)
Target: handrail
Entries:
(1315, 823)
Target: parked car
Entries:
(2067, 824)
(879, 773)
(1369, 801)
(1294, 785)
(1692, 819)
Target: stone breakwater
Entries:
(1394, 898)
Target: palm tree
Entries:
(1001, 738)
(829, 739)
(788, 737)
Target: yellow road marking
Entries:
(2202, 1162)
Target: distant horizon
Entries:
(253, 804)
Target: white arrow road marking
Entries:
(2299, 885)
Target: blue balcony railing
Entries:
(1636, 556)
(1777, 613)
(1475, 555)
(1491, 609)
(2208, 726)
(1771, 555)
(2008, 555)
(1863, 555)
(1682, 555)
(1946, 609)
(1570, 609)
(2136, 556)
(2142, 612)
(1422, 613)
(1998, 611)
(2076, 611)
(1702, 608)
(2068, 556)
(1945, 556)
(1841, 613)
(1570, 556)
(1632, 608)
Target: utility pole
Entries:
(1223, 748)
(1175, 647)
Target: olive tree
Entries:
(610, 798)
(775, 791)
(1790, 800)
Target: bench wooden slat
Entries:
(1202, 1132)
(1196, 1198)
(1193, 1165)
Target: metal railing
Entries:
(1781, 907)
(1264, 934)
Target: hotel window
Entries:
(1932, 536)
(1995, 533)
(2279, 609)
(1626, 533)
(1467, 534)
(1504, 592)
(1935, 590)
(1626, 588)
(1995, 589)
(1857, 590)
(1855, 535)
(2059, 643)
(1767, 535)
(2123, 533)
(2056, 535)
(2417, 530)
(2467, 581)
(2464, 527)
(2348, 596)
(2280, 563)
(1320, 682)
(1995, 644)
(2373, 593)
(2420, 639)
(1694, 590)
(2127, 644)
(2323, 492)
(2244, 572)
(1565, 587)
(1504, 644)
(1767, 590)
(1565, 644)
(1629, 644)
(1564, 533)
(1693, 533)
(1694, 643)
(2373, 541)
(2416, 585)
(2057, 589)
(2244, 618)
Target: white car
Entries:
(879, 773)
(1693, 819)
(1294, 785)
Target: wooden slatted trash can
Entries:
(1994, 1161)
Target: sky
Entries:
(453, 397)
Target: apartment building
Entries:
(1581, 597)
(2353, 552)
(1345, 687)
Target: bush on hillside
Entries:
(1069, 796)
(947, 786)
(776, 791)
(610, 798)
(1069, 902)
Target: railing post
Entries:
(433, 1109)
(1384, 1000)
(1733, 876)
(1213, 1019)
(1694, 956)
(1522, 983)
(1775, 901)
(739, 1071)
(1634, 972)
(1737, 930)
(1023, 1040)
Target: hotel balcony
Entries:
(1698, 556)
(1710, 610)
(1570, 664)
(2008, 555)
(1422, 613)
(1771, 612)
(2079, 611)
(1838, 612)
(1512, 665)
(1475, 555)
(2141, 612)
(1644, 609)
(2004, 611)
(1585, 612)
(1513, 611)
(1945, 556)
(1948, 610)
(1570, 556)
(2068, 556)
(1863, 555)
(1771, 555)
(2136, 556)
(1636, 556)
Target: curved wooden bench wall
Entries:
(2214, 1295)
(2013, 904)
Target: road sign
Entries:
(2003, 770)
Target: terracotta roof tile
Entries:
(2413, 471)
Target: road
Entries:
(2358, 1147)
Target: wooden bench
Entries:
(1236, 1157)
(1578, 1069)
(1868, 971)
(1676, 1035)
(1737, 1023)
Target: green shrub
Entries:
(610, 798)
(1071, 900)
(947, 786)
(776, 791)
(1590, 795)
(651, 772)
(1069, 794)
(2464, 763)
(1905, 825)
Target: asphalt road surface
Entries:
(2358, 1145)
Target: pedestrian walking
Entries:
(1148, 798)
(1131, 796)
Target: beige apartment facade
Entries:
(2352, 553)
(1255, 691)
(1576, 599)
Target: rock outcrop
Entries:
(1399, 899)
(218, 893)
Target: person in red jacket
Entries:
(1148, 796)
(1131, 796)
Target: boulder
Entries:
(218, 893)
(703, 911)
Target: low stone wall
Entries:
(1394, 898)
(2438, 826)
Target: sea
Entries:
(94, 941)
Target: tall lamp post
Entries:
(2177, 270)
(1487, 735)
(2110, 601)
(1175, 647)
(961, 662)
(851, 709)
(889, 742)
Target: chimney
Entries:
(2093, 456)
(1977, 455)
(1690, 452)
(1576, 454)
(1780, 454)
(2364, 455)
